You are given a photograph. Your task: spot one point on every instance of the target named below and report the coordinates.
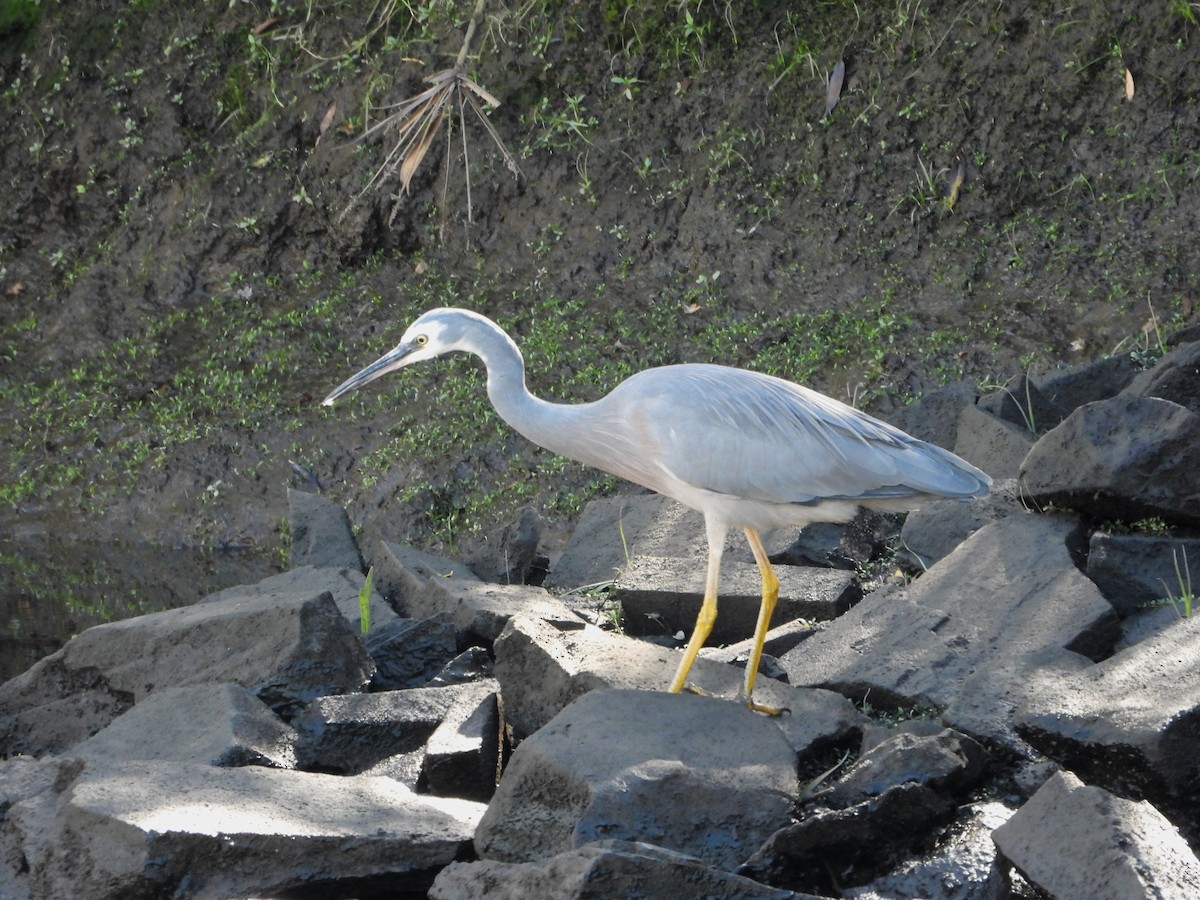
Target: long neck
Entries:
(544, 423)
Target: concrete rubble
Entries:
(1002, 698)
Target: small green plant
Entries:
(364, 601)
(1183, 578)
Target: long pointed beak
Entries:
(390, 361)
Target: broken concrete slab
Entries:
(236, 832)
(285, 647)
(966, 637)
(344, 585)
(935, 529)
(409, 652)
(541, 670)
(1072, 840)
(403, 574)
(692, 774)
(462, 756)
(321, 534)
(599, 871)
(238, 730)
(350, 733)
(1130, 723)
(480, 610)
(662, 595)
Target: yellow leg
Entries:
(707, 616)
(770, 596)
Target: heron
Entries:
(746, 449)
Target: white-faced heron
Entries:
(745, 449)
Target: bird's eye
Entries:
(422, 340)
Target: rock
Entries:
(348, 734)
(947, 762)
(935, 529)
(344, 585)
(852, 842)
(935, 416)
(156, 829)
(404, 574)
(1022, 403)
(692, 774)
(599, 871)
(519, 549)
(1071, 840)
(462, 756)
(542, 670)
(660, 595)
(1133, 570)
(1126, 458)
(1130, 723)
(1088, 382)
(480, 610)
(321, 535)
(991, 443)
(1175, 377)
(410, 652)
(961, 867)
(238, 730)
(838, 546)
(473, 664)
(286, 648)
(966, 637)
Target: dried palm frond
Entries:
(416, 121)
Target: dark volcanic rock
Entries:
(1125, 458)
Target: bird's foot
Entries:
(767, 710)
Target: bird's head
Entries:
(432, 334)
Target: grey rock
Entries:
(1133, 570)
(838, 546)
(692, 774)
(522, 564)
(860, 837)
(410, 652)
(660, 594)
(935, 416)
(286, 648)
(149, 828)
(1088, 382)
(237, 729)
(947, 762)
(1022, 403)
(961, 867)
(1175, 377)
(344, 585)
(541, 670)
(404, 574)
(991, 443)
(600, 871)
(351, 733)
(1126, 458)
(1071, 840)
(935, 529)
(462, 756)
(1130, 723)
(473, 664)
(778, 641)
(321, 535)
(480, 610)
(966, 637)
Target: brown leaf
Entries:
(327, 119)
(691, 308)
(1128, 85)
(15, 288)
(833, 89)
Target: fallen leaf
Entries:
(15, 288)
(957, 176)
(833, 88)
(691, 308)
(1128, 85)
(327, 119)
(421, 267)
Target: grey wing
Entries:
(749, 435)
